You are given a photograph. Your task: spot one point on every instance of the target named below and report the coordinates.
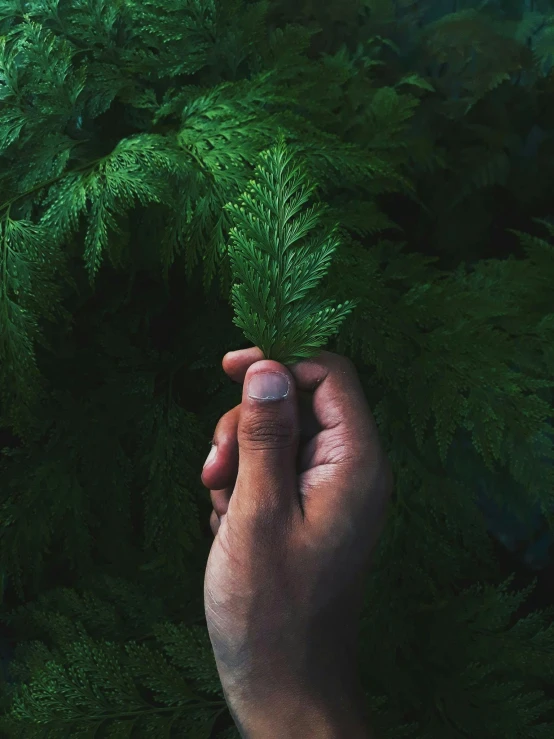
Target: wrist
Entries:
(313, 692)
(289, 714)
(307, 721)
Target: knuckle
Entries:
(226, 426)
(265, 433)
(346, 365)
(340, 364)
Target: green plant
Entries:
(126, 129)
(276, 269)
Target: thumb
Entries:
(268, 435)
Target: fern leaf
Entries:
(189, 647)
(543, 46)
(416, 80)
(30, 263)
(167, 684)
(12, 118)
(82, 684)
(172, 526)
(137, 170)
(530, 24)
(270, 303)
(172, 26)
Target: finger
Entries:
(346, 451)
(220, 500)
(337, 407)
(339, 401)
(268, 437)
(214, 523)
(235, 364)
(353, 475)
(221, 471)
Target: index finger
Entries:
(339, 401)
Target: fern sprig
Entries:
(276, 265)
(30, 266)
(112, 186)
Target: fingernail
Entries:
(211, 456)
(268, 386)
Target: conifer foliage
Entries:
(157, 163)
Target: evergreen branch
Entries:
(270, 303)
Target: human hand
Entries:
(299, 488)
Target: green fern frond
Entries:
(276, 267)
(223, 129)
(12, 118)
(172, 26)
(40, 80)
(163, 679)
(536, 31)
(87, 685)
(485, 168)
(172, 526)
(82, 685)
(416, 80)
(54, 491)
(530, 24)
(543, 47)
(487, 83)
(539, 250)
(361, 217)
(189, 648)
(387, 115)
(458, 29)
(32, 167)
(139, 169)
(479, 55)
(90, 23)
(30, 266)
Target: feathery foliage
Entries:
(157, 162)
(277, 270)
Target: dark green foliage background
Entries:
(125, 127)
